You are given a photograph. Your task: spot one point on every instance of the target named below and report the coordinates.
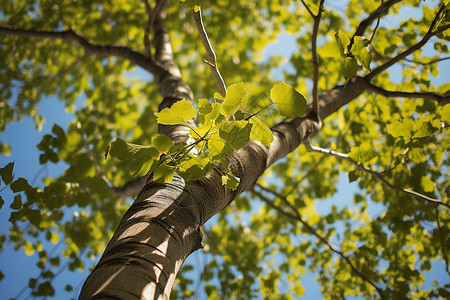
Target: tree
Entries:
(391, 136)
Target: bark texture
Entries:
(162, 226)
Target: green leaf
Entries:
(236, 98)
(260, 131)
(401, 129)
(204, 107)
(342, 40)
(236, 133)
(427, 184)
(7, 173)
(217, 147)
(140, 159)
(218, 96)
(230, 181)
(330, 49)
(193, 173)
(359, 50)
(210, 116)
(179, 112)
(29, 249)
(353, 175)
(289, 102)
(203, 130)
(162, 143)
(17, 203)
(19, 185)
(446, 113)
(200, 162)
(425, 127)
(163, 174)
(54, 238)
(195, 168)
(350, 67)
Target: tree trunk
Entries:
(162, 226)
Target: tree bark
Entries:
(162, 227)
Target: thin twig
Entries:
(424, 95)
(315, 60)
(209, 50)
(308, 9)
(372, 17)
(415, 47)
(376, 26)
(377, 175)
(427, 63)
(443, 248)
(298, 217)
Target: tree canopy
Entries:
(364, 97)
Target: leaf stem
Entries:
(209, 50)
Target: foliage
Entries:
(254, 249)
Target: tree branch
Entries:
(298, 217)
(209, 50)
(384, 7)
(415, 47)
(375, 174)
(424, 95)
(151, 19)
(443, 248)
(101, 50)
(315, 60)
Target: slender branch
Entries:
(415, 47)
(380, 56)
(308, 9)
(376, 26)
(428, 63)
(298, 217)
(443, 248)
(315, 59)
(377, 175)
(209, 50)
(424, 95)
(101, 50)
(384, 7)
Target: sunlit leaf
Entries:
(236, 133)
(236, 98)
(179, 112)
(427, 184)
(260, 131)
(330, 49)
(230, 181)
(289, 102)
(163, 174)
(350, 67)
(162, 143)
